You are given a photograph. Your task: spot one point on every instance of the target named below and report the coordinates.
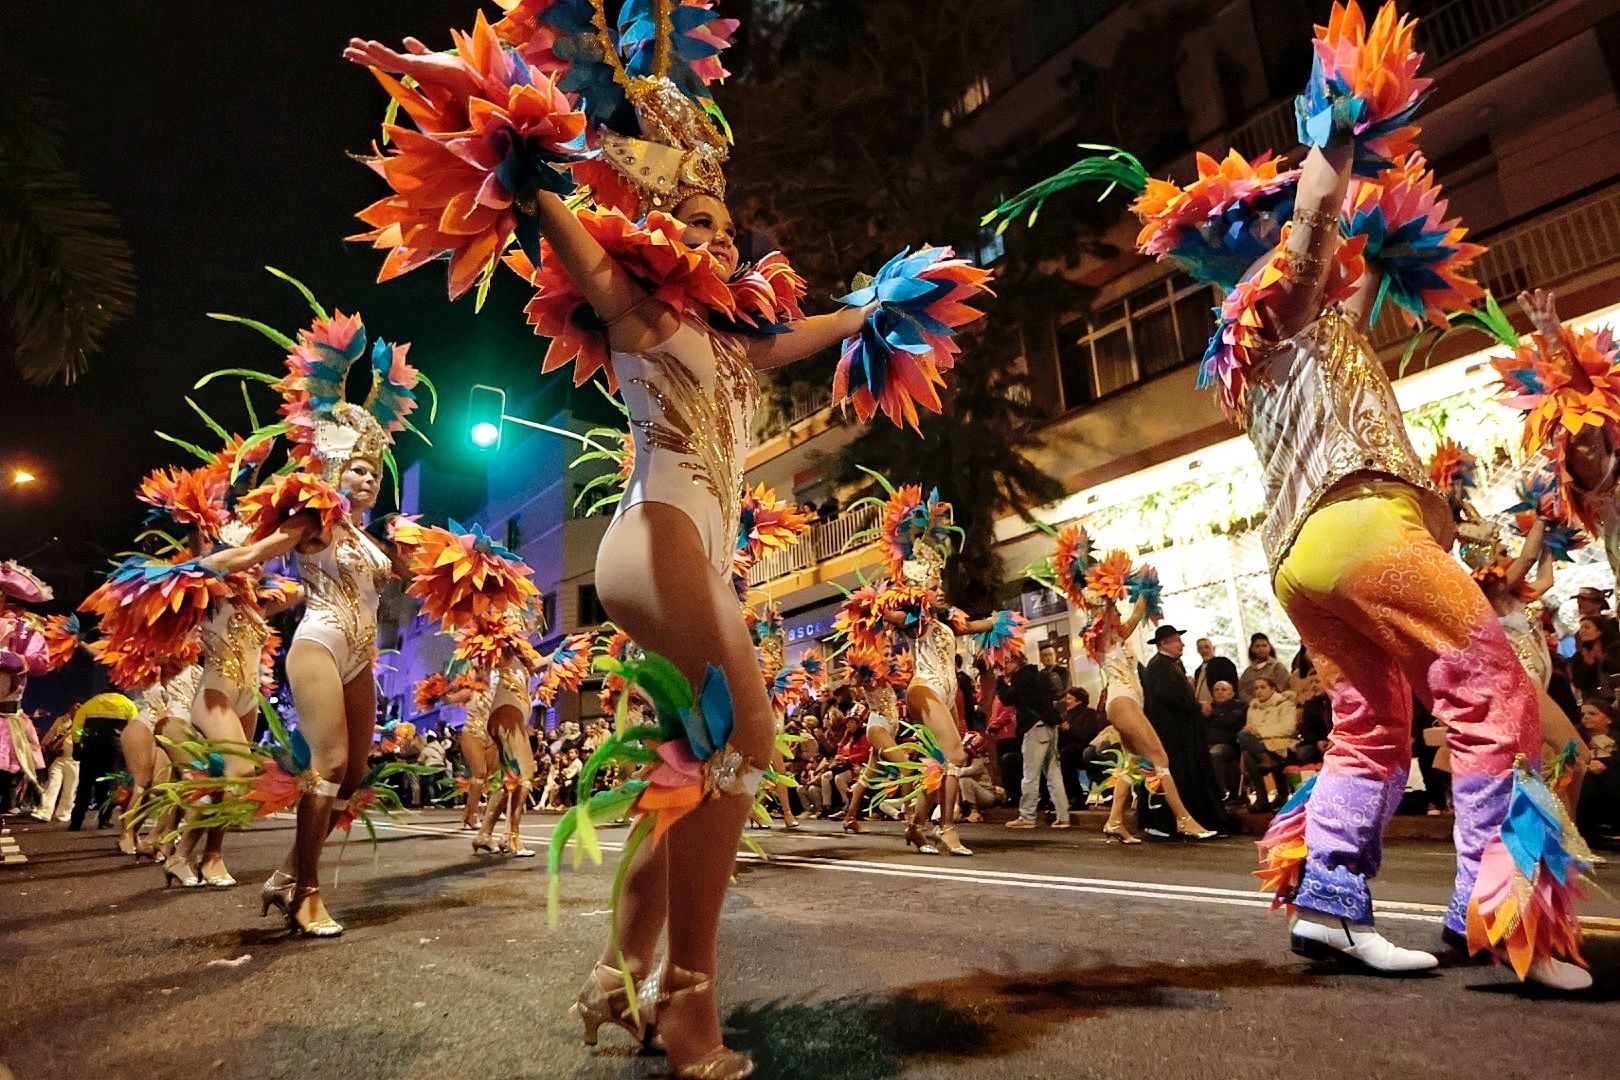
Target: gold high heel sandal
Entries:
(276, 893)
(720, 1063)
(915, 836)
(324, 927)
(222, 881)
(596, 1006)
(1190, 829)
(513, 846)
(485, 842)
(1119, 834)
(951, 842)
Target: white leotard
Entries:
(934, 659)
(1119, 672)
(691, 403)
(511, 689)
(342, 582)
(882, 709)
(233, 642)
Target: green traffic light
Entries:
(485, 434)
(486, 411)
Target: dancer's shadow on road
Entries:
(981, 1015)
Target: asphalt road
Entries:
(1046, 955)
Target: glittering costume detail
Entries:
(1529, 645)
(342, 582)
(935, 656)
(1323, 412)
(1119, 671)
(511, 689)
(479, 706)
(233, 644)
(1384, 611)
(691, 404)
(882, 708)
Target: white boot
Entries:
(1558, 974)
(1323, 937)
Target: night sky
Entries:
(218, 133)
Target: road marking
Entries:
(1199, 894)
(10, 853)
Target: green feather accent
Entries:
(276, 336)
(1115, 168)
(314, 305)
(190, 448)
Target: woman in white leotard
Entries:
(163, 709)
(1106, 640)
(342, 569)
(931, 694)
(1504, 580)
(478, 751)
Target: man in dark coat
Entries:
(1212, 669)
(1179, 721)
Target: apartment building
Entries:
(1523, 130)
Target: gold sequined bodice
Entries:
(233, 641)
(691, 403)
(934, 656)
(1321, 412)
(881, 700)
(342, 584)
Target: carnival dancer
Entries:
(644, 303)
(875, 677)
(1094, 586)
(1356, 535)
(479, 754)
(1567, 384)
(1505, 580)
(916, 532)
(318, 511)
(23, 652)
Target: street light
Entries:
(487, 415)
(22, 476)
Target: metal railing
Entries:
(804, 402)
(822, 542)
(1544, 252)
(1452, 27)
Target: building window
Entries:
(514, 534)
(973, 97)
(591, 612)
(1154, 330)
(548, 610)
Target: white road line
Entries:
(1199, 894)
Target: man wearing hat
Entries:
(1175, 714)
(1592, 602)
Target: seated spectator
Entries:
(1079, 726)
(853, 752)
(1270, 733)
(1227, 716)
(1212, 668)
(1263, 664)
(1315, 724)
(978, 793)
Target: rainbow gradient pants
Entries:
(1384, 611)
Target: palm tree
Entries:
(66, 274)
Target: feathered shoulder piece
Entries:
(487, 641)
(1243, 338)
(1364, 83)
(60, 634)
(22, 584)
(1218, 225)
(430, 691)
(267, 507)
(1563, 385)
(186, 499)
(149, 611)
(1419, 252)
(460, 573)
(1072, 560)
(688, 280)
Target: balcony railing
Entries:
(1452, 27)
(1449, 29)
(1544, 252)
(805, 402)
(822, 542)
